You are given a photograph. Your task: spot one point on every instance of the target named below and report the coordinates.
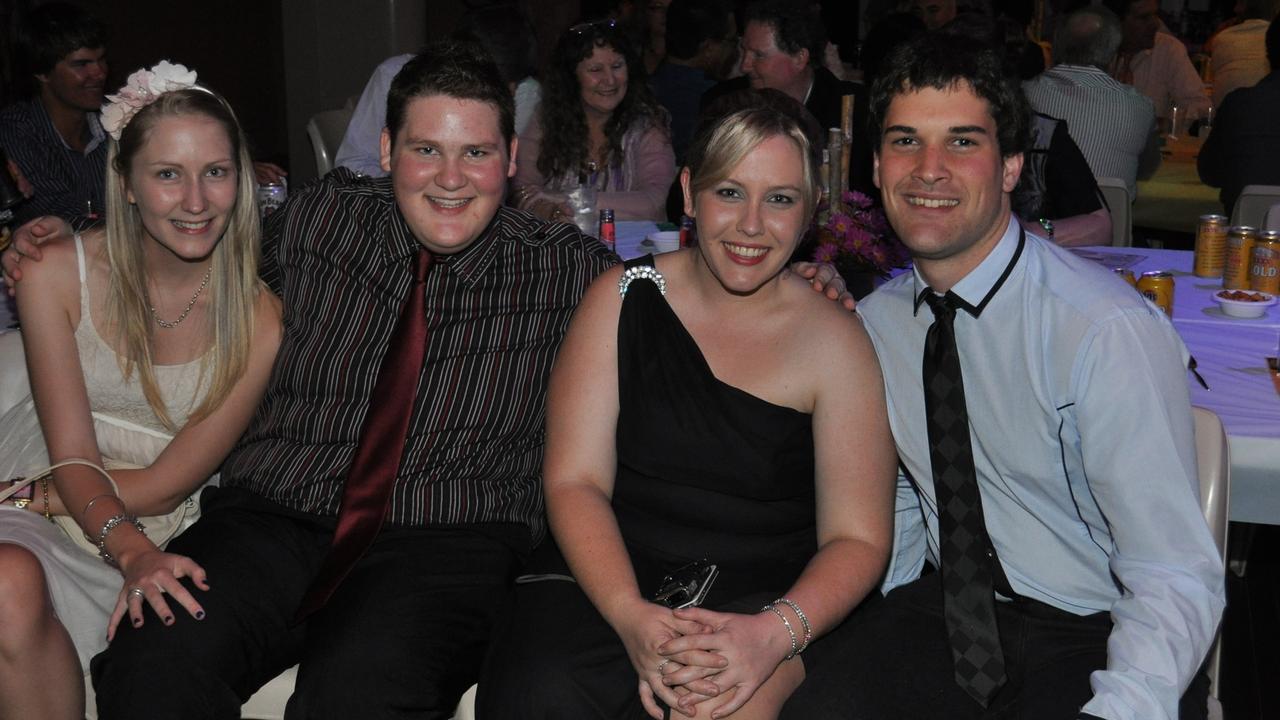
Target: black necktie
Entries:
(968, 590)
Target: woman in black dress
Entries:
(705, 404)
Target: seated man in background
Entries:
(54, 137)
(1077, 577)
(1111, 123)
(1244, 145)
(503, 31)
(782, 48)
(1155, 62)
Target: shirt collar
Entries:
(97, 135)
(976, 289)
(469, 265)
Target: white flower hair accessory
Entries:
(142, 89)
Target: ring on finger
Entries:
(136, 592)
(663, 664)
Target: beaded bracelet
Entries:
(111, 524)
(804, 620)
(795, 644)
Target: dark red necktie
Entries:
(367, 491)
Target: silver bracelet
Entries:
(795, 645)
(804, 620)
(111, 524)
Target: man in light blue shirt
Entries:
(1108, 586)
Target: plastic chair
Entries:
(1273, 218)
(1252, 205)
(326, 129)
(1120, 205)
(1213, 460)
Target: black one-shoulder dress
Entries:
(705, 470)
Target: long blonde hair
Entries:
(234, 285)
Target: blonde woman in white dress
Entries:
(148, 346)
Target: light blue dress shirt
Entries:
(1083, 441)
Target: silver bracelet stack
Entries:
(797, 646)
(111, 524)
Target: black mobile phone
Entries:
(687, 586)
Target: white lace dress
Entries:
(82, 586)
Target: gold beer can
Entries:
(1264, 268)
(1127, 275)
(1157, 286)
(1211, 246)
(1235, 274)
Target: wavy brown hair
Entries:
(564, 123)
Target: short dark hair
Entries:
(51, 32)
(1273, 43)
(796, 26)
(458, 69)
(941, 61)
(692, 22)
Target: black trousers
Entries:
(403, 636)
(891, 660)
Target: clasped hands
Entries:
(701, 663)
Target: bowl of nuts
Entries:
(1244, 303)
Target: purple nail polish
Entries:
(137, 622)
(199, 614)
(168, 619)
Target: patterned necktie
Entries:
(968, 592)
(367, 491)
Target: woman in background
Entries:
(598, 126)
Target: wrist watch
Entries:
(1047, 224)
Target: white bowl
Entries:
(664, 240)
(1245, 308)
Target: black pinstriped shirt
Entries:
(64, 180)
(340, 255)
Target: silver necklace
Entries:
(169, 325)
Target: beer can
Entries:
(271, 196)
(1127, 275)
(1235, 273)
(1157, 286)
(1211, 246)
(1264, 267)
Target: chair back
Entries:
(326, 129)
(1273, 217)
(1213, 460)
(1120, 205)
(1252, 205)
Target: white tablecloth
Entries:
(629, 234)
(1229, 352)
